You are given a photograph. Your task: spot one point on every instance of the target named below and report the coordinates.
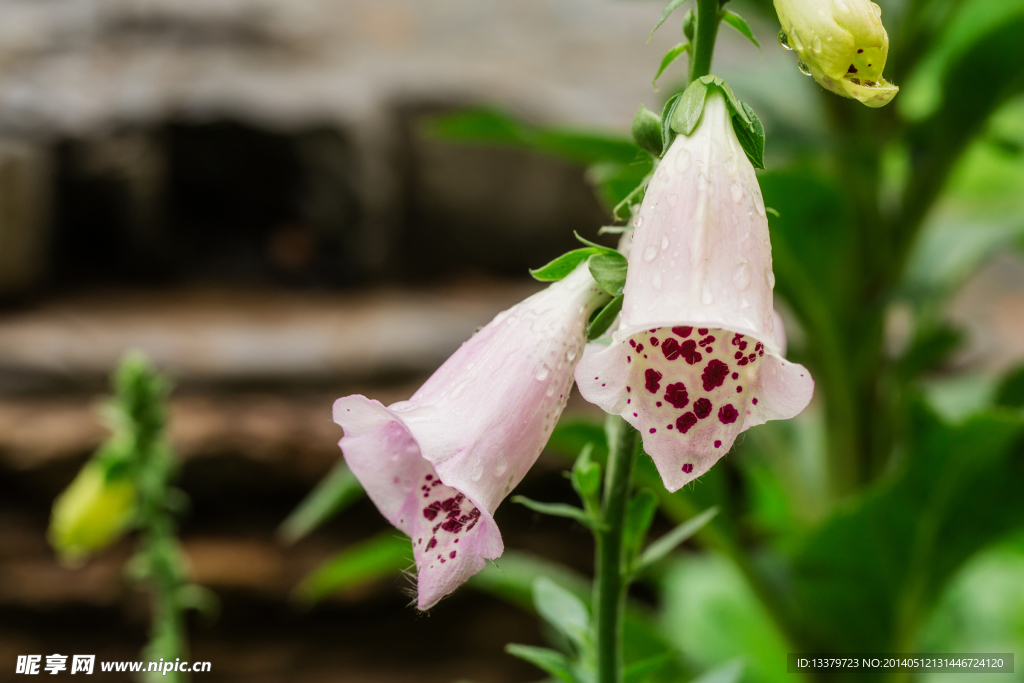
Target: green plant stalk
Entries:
(708, 16)
(610, 580)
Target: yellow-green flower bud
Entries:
(91, 513)
(842, 43)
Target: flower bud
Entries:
(841, 43)
(91, 513)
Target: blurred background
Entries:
(254, 193)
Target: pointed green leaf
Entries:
(557, 510)
(554, 663)
(603, 320)
(740, 24)
(647, 130)
(609, 270)
(667, 112)
(639, 672)
(672, 55)
(586, 478)
(667, 543)
(334, 493)
(563, 610)
(563, 265)
(672, 7)
(691, 105)
(751, 137)
(368, 561)
(594, 245)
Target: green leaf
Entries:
(604, 319)
(1011, 389)
(868, 576)
(337, 491)
(563, 610)
(670, 541)
(667, 112)
(647, 130)
(639, 672)
(730, 672)
(563, 265)
(383, 555)
(667, 60)
(751, 136)
(586, 479)
(558, 510)
(639, 516)
(669, 9)
(740, 24)
(594, 245)
(691, 105)
(554, 663)
(623, 210)
(609, 270)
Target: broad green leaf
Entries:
(867, 578)
(551, 661)
(563, 610)
(338, 490)
(740, 24)
(609, 270)
(384, 555)
(558, 510)
(669, 9)
(639, 516)
(560, 267)
(751, 137)
(670, 541)
(604, 319)
(672, 55)
(647, 130)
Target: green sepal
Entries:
(667, 543)
(672, 6)
(609, 270)
(604, 319)
(560, 267)
(689, 25)
(551, 661)
(740, 24)
(647, 130)
(751, 137)
(672, 55)
(565, 611)
(558, 510)
(667, 112)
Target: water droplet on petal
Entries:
(656, 282)
(639, 221)
(543, 371)
(662, 172)
(744, 303)
(650, 253)
(816, 44)
(704, 184)
(877, 10)
(736, 190)
(731, 166)
(549, 393)
(683, 159)
(804, 69)
(664, 241)
(769, 277)
(741, 278)
(784, 40)
(706, 297)
(570, 355)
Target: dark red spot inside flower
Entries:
(685, 421)
(639, 348)
(743, 346)
(652, 430)
(859, 51)
(628, 390)
(714, 374)
(683, 332)
(702, 407)
(688, 467)
(739, 354)
(658, 404)
(652, 379)
(739, 389)
(429, 477)
(629, 359)
(709, 349)
(654, 341)
(718, 444)
(632, 343)
(852, 69)
(670, 348)
(452, 526)
(677, 395)
(755, 401)
(707, 340)
(737, 339)
(431, 543)
(431, 511)
(668, 426)
(742, 361)
(689, 352)
(451, 555)
(702, 331)
(735, 375)
(727, 414)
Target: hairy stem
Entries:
(610, 583)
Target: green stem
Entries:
(704, 35)
(610, 583)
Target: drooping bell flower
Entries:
(438, 465)
(841, 43)
(697, 357)
(91, 513)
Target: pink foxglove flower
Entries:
(438, 465)
(697, 357)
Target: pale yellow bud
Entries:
(91, 513)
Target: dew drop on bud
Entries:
(736, 190)
(639, 221)
(542, 372)
(682, 160)
(769, 277)
(804, 69)
(816, 44)
(650, 253)
(664, 241)
(877, 10)
(741, 278)
(784, 40)
(549, 393)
